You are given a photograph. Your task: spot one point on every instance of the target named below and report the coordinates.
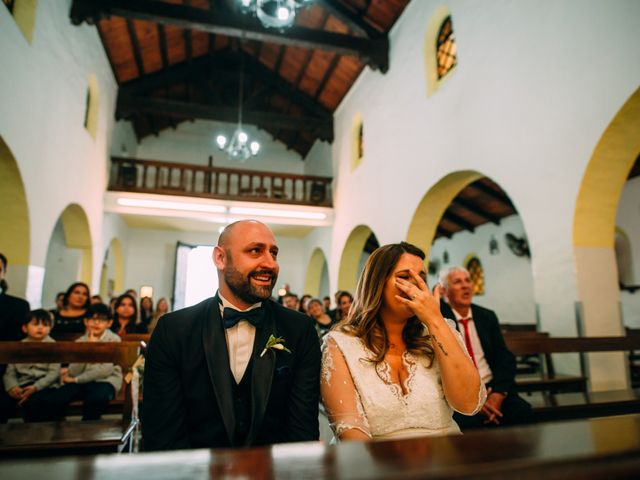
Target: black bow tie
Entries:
(231, 317)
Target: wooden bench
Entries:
(566, 397)
(71, 437)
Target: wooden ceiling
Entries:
(480, 202)
(177, 60)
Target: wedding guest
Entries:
(322, 320)
(395, 367)
(126, 316)
(162, 307)
(70, 319)
(146, 311)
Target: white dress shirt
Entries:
(240, 339)
(478, 353)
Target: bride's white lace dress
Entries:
(358, 394)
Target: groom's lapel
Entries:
(262, 372)
(215, 351)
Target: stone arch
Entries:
(351, 258)
(15, 241)
(422, 229)
(594, 237)
(112, 274)
(70, 253)
(24, 13)
(315, 272)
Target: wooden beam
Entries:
(129, 105)
(373, 52)
(162, 40)
(443, 232)
(349, 17)
(135, 46)
(452, 217)
(501, 197)
(476, 210)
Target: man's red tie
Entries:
(467, 340)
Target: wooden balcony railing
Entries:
(169, 178)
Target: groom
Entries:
(214, 377)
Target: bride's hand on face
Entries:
(424, 304)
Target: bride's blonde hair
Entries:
(364, 319)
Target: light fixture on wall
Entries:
(239, 148)
(445, 257)
(274, 13)
(146, 291)
(494, 248)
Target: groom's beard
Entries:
(244, 289)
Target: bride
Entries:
(394, 367)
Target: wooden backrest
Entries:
(118, 353)
(536, 344)
(136, 337)
(518, 327)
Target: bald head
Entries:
(246, 259)
(235, 229)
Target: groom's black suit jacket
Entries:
(501, 361)
(188, 389)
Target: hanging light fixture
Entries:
(274, 13)
(239, 148)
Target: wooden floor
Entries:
(599, 448)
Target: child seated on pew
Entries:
(96, 384)
(33, 386)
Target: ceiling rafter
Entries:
(135, 46)
(373, 52)
(476, 210)
(453, 218)
(349, 17)
(129, 105)
(208, 66)
(501, 197)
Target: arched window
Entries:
(477, 275)
(440, 50)
(357, 141)
(446, 48)
(92, 102)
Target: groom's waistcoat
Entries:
(242, 406)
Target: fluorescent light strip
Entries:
(194, 207)
(277, 213)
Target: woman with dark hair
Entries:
(76, 302)
(323, 321)
(343, 303)
(395, 368)
(126, 316)
(146, 311)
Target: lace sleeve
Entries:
(339, 395)
(482, 393)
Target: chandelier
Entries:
(239, 148)
(274, 13)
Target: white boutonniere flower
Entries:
(274, 343)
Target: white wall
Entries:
(43, 90)
(535, 88)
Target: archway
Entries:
(69, 255)
(15, 241)
(317, 281)
(112, 274)
(360, 243)
(594, 237)
(467, 216)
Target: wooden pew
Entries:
(568, 397)
(90, 437)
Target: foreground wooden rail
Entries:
(601, 448)
(171, 178)
(72, 437)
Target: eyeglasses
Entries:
(98, 319)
